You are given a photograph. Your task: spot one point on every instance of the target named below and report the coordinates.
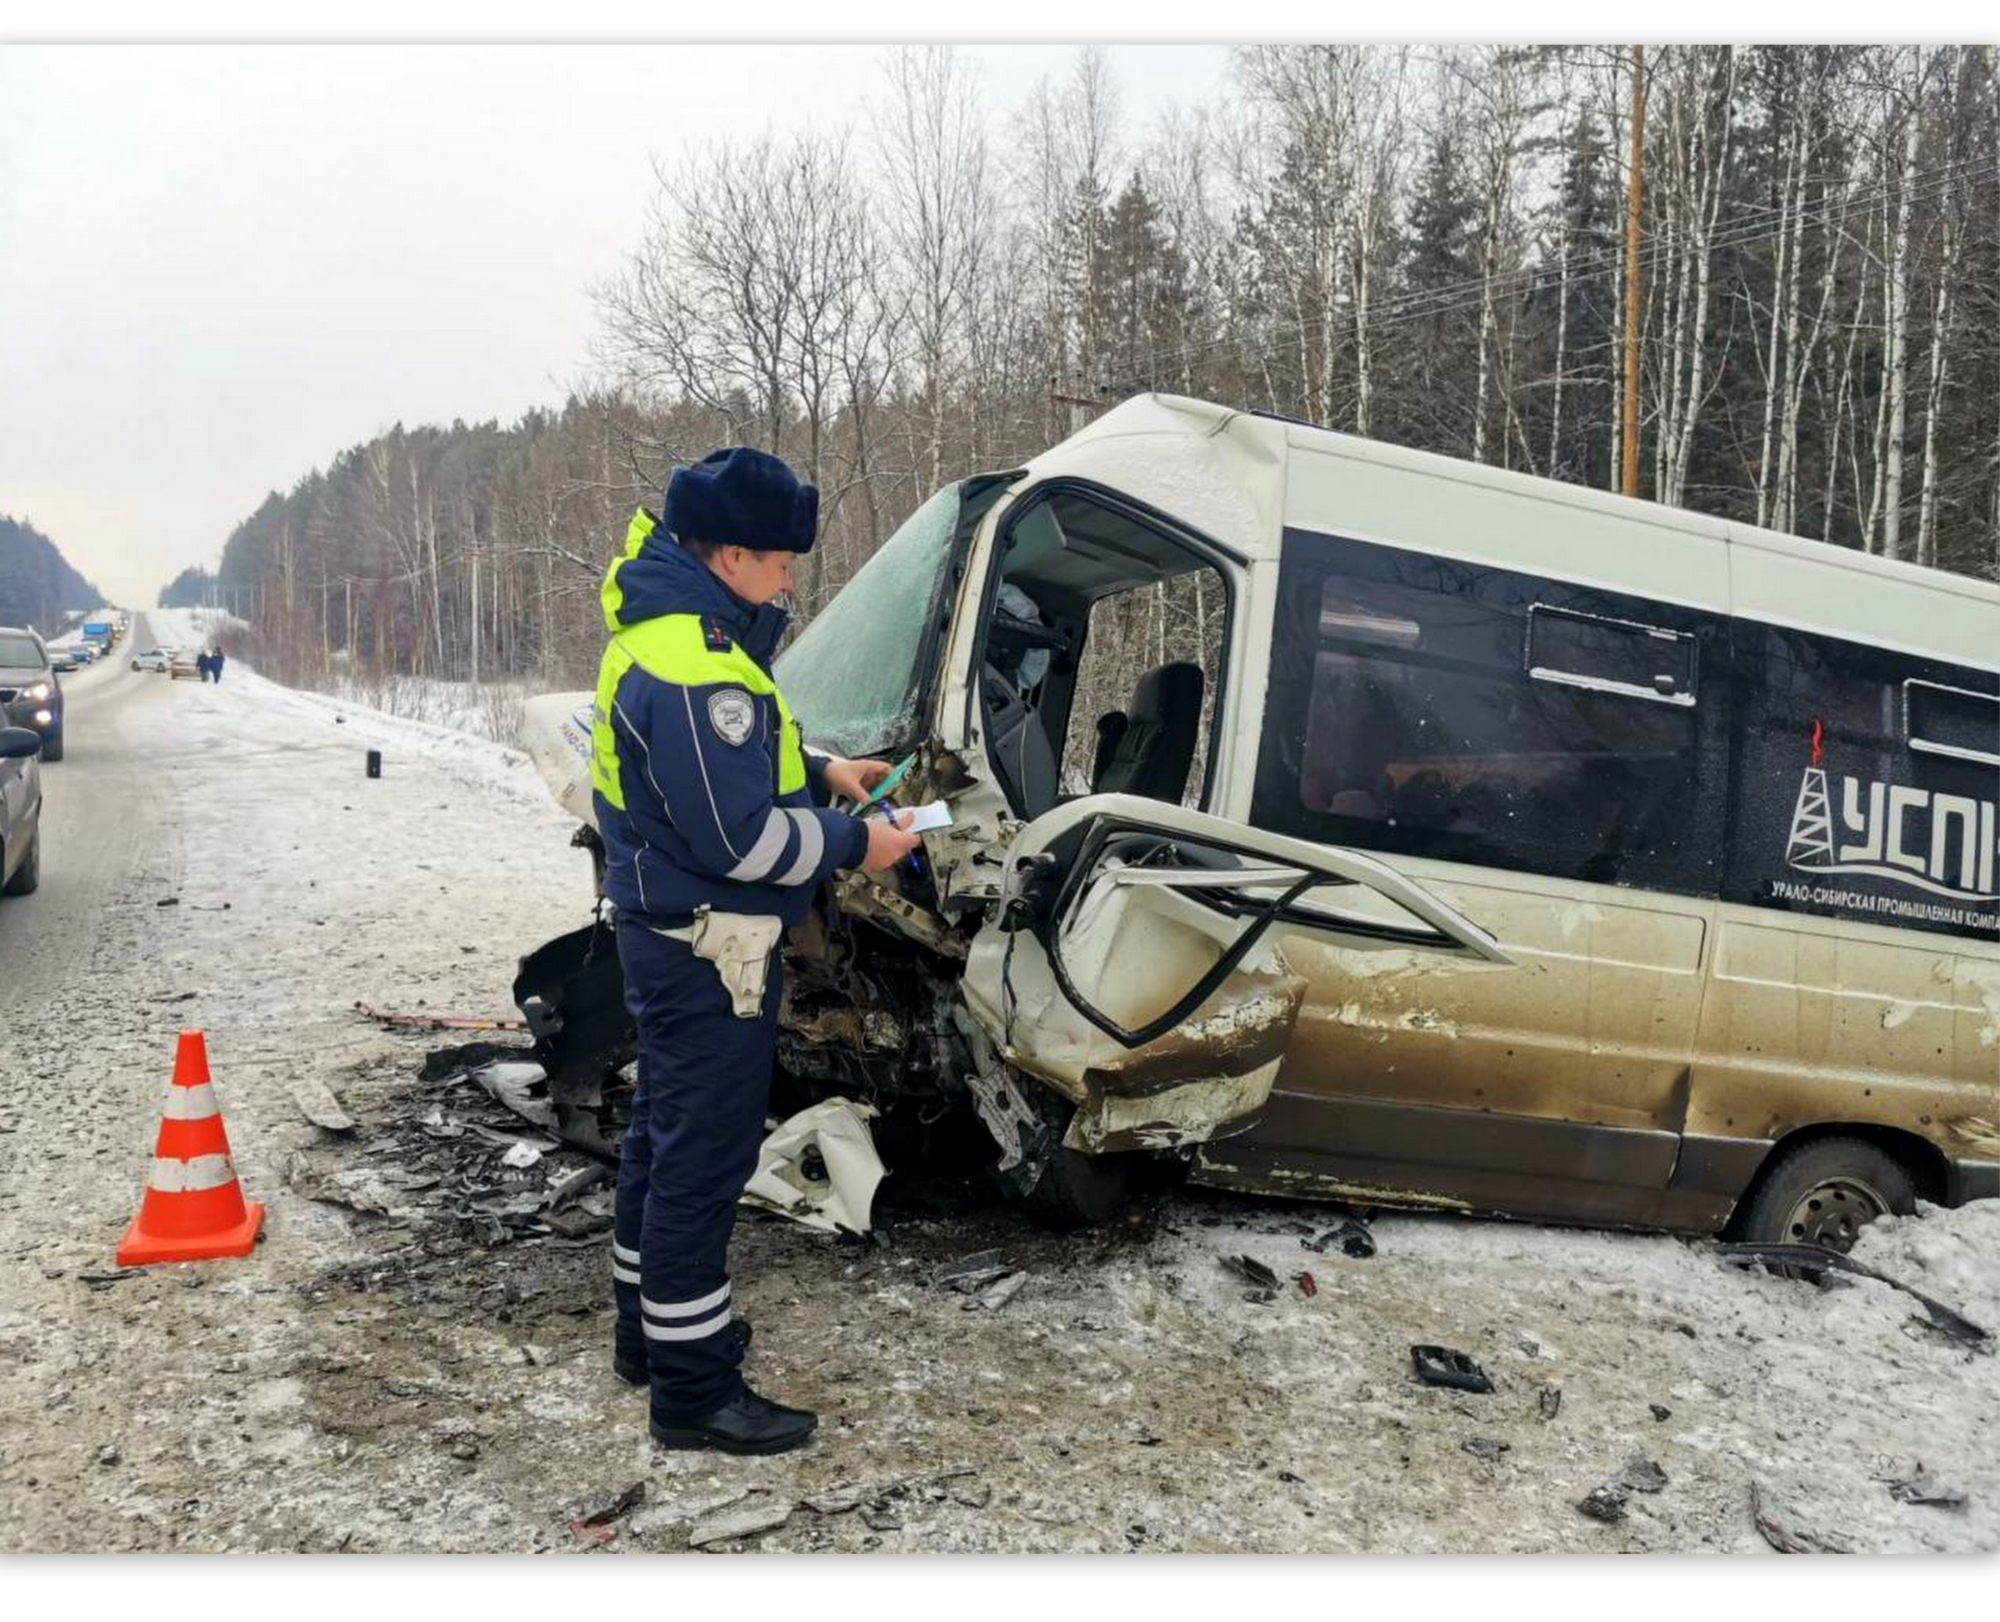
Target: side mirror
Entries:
(17, 743)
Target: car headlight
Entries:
(37, 690)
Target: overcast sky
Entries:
(221, 265)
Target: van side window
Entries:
(1610, 656)
(1146, 652)
(1949, 721)
(1433, 707)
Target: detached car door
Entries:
(1136, 961)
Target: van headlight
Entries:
(45, 718)
(36, 691)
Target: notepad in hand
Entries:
(926, 818)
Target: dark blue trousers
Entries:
(697, 1120)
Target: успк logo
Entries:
(1945, 844)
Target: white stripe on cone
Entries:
(190, 1103)
(191, 1176)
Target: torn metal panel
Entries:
(867, 895)
(1195, 1112)
(820, 1168)
(1008, 1116)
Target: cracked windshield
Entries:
(854, 668)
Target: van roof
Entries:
(1787, 578)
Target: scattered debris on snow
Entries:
(1922, 1489)
(317, 1103)
(1440, 1365)
(820, 1168)
(742, 1523)
(1790, 1539)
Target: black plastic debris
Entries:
(1252, 1271)
(441, 1064)
(1488, 1448)
(1661, 1411)
(1440, 1365)
(971, 1274)
(1811, 1259)
(1604, 1503)
(374, 763)
(1923, 1488)
(1549, 1401)
(608, 1507)
(1351, 1235)
(1641, 1475)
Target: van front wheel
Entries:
(1079, 1191)
(1823, 1193)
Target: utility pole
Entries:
(473, 553)
(1629, 439)
(1082, 407)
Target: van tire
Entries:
(1079, 1191)
(28, 876)
(52, 748)
(1823, 1192)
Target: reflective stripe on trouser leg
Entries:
(635, 1162)
(705, 1078)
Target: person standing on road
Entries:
(201, 663)
(215, 666)
(716, 835)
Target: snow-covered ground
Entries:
(487, 709)
(188, 627)
(401, 1378)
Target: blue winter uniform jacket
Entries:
(705, 794)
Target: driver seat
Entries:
(1018, 746)
(1149, 749)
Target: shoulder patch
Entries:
(714, 635)
(733, 714)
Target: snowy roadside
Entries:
(411, 1379)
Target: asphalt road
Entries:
(100, 832)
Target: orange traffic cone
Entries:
(194, 1207)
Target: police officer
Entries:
(715, 836)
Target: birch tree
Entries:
(1700, 122)
(938, 213)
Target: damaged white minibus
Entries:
(1336, 820)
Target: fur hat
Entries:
(742, 497)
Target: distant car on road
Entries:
(62, 660)
(182, 664)
(20, 810)
(30, 695)
(151, 659)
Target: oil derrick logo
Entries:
(1920, 838)
(1812, 819)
